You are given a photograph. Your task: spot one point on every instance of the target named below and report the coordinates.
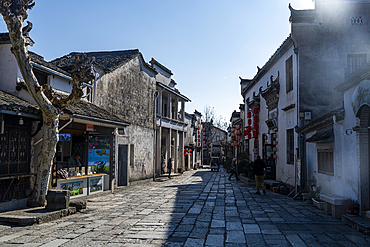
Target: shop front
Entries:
(86, 154)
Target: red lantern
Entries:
(249, 129)
(190, 154)
(249, 121)
(256, 110)
(245, 132)
(256, 126)
(256, 118)
(255, 134)
(249, 135)
(204, 146)
(198, 128)
(203, 130)
(249, 114)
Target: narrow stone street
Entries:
(199, 208)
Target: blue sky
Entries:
(207, 44)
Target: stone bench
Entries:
(334, 205)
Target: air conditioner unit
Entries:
(307, 115)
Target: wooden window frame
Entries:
(290, 146)
(289, 74)
(325, 161)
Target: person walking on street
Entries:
(169, 167)
(234, 169)
(259, 167)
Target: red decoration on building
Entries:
(249, 135)
(255, 134)
(256, 118)
(256, 126)
(256, 110)
(198, 128)
(249, 114)
(249, 121)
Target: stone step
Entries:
(358, 223)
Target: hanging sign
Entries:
(89, 127)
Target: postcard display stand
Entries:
(84, 185)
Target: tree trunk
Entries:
(45, 161)
(15, 13)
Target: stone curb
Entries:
(34, 216)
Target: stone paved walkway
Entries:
(200, 208)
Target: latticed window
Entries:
(14, 162)
(14, 149)
(325, 161)
(355, 62)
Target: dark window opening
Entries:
(290, 146)
(325, 161)
(289, 74)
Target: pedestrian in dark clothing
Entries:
(234, 169)
(259, 167)
(169, 167)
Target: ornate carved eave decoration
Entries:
(255, 102)
(271, 94)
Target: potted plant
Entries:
(352, 207)
(315, 192)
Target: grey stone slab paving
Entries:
(199, 208)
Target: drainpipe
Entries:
(295, 49)
(70, 121)
(155, 96)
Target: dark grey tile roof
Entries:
(88, 109)
(155, 62)
(13, 103)
(40, 60)
(4, 39)
(323, 121)
(326, 135)
(10, 102)
(108, 60)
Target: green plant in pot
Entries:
(352, 207)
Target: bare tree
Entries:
(15, 13)
(209, 115)
(211, 120)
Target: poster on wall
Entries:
(76, 188)
(99, 153)
(96, 184)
